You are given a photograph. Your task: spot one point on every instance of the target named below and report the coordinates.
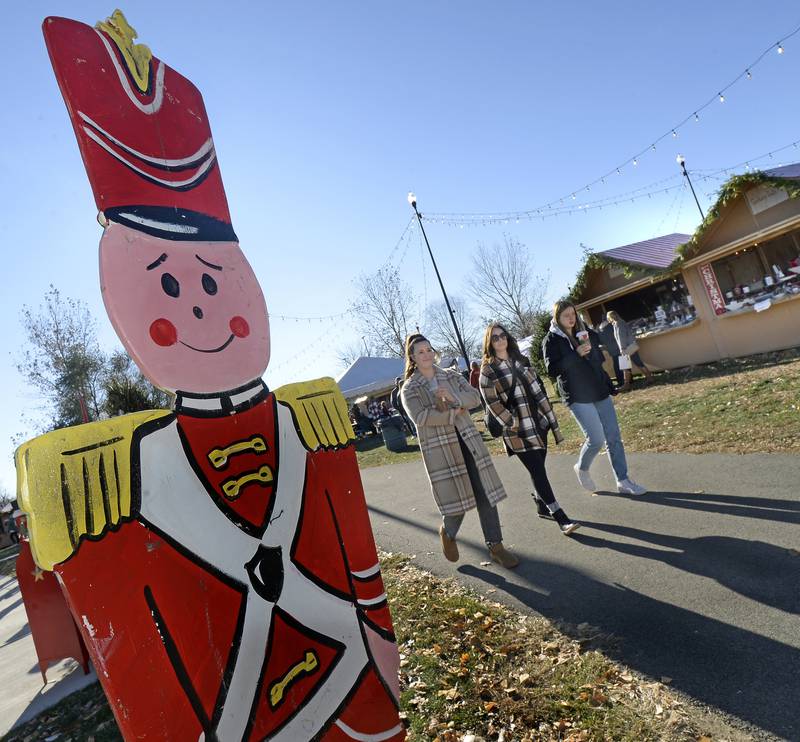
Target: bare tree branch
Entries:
(383, 311)
(440, 332)
(505, 286)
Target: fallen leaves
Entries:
(474, 669)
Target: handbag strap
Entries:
(509, 394)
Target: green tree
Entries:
(62, 360)
(125, 388)
(75, 379)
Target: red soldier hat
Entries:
(142, 130)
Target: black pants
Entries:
(534, 463)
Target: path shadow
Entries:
(757, 570)
(738, 671)
(10, 607)
(20, 634)
(758, 508)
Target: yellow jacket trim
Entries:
(320, 412)
(75, 483)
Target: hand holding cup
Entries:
(584, 344)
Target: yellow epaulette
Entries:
(319, 411)
(75, 483)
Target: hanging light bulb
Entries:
(653, 147)
(721, 98)
(573, 196)
(618, 172)
(674, 134)
(696, 117)
(749, 74)
(635, 161)
(780, 48)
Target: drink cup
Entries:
(583, 336)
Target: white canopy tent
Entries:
(370, 377)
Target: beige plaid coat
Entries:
(441, 453)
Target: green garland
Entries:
(730, 190)
(594, 261)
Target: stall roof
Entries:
(785, 171)
(658, 252)
(368, 375)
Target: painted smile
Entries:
(210, 350)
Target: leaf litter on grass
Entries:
(471, 666)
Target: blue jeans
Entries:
(598, 421)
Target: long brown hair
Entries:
(411, 341)
(488, 350)
(558, 310)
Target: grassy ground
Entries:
(471, 665)
(742, 405)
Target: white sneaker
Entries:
(585, 480)
(629, 487)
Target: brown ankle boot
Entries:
(502, 556)
(449, 546)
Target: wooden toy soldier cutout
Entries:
(218, 559)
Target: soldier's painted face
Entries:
(191, 314)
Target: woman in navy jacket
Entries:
(574, 361)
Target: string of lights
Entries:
(579, 209)
(408, 227)
(461, 218)
(485, 219)
(747, 164)
(668, 212)
(645, 191)
(405, 237)
(329, 336)
(288, 318)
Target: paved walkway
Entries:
(700, 579)
(22, 694)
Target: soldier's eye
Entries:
(209, 284)
(170, 285)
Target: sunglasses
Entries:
(501, 336)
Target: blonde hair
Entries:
(411, 341)
(613, 316)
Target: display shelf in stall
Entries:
(658, 331)
(749, 304)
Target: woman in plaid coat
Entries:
(515, 395)
(459, 467)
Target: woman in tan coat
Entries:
(459, 467)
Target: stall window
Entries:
(780, 251)
(740, 269)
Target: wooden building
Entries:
(731, 289)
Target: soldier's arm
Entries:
(75, 483)
(320, 415)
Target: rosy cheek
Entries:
(239, 327)
(163, 332)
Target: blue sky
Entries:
(325, 114)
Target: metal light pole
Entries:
(412, 199)
(681, 160)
